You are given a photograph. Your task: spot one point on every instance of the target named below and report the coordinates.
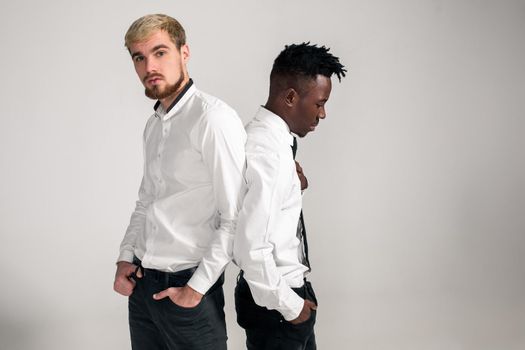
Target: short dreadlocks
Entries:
(304, 60)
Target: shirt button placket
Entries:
(165, 130)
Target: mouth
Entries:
(153, 79)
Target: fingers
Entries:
(165, 293)
(302, 177)
(304, 315)
(125, 268)
(123, 286)
(305, 312)
(138, 272)
(298, 168)
(311, 304)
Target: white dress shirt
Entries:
(266, 245)
(190, 192)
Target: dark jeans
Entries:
(161, 324)
(267, 329)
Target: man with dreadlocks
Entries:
(274, 302)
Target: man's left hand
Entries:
(182, 296)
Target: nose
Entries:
(322, 113)
(151, 66)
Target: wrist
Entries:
(194, 292)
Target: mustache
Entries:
(153, 75)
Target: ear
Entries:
(290, 97)
(185, 53)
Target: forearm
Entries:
(136, 226)
(137, 223)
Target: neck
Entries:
(276, 109)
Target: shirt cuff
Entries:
(199, 283)
(126, 255)
(294, 306)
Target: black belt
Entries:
(181, 276)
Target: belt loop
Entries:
(166, 279)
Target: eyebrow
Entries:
(160, 46)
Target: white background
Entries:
(415, 210)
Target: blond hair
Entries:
(143, 27)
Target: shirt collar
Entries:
(184, 95)
(276, 122)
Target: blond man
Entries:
(179, 240)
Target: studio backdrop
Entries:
(415, 209)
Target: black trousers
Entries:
(161, 324)
(267, 329)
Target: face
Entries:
(308, 107)
(160, 65)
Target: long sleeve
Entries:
(222, 139)
(190, 193)
(138, 217)
(253, 248)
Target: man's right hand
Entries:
(308, 306)
(302, 177)
(123, 283)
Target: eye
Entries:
(138, 59)
(160, 53)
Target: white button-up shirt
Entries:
(190, 192)
(266, 245)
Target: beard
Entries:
(158, 93)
